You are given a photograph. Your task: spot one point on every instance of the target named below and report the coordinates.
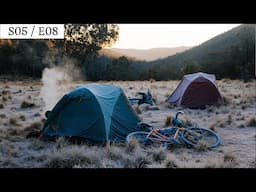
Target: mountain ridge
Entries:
(143, 54)
(230, 54)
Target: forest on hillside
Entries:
(228, 55)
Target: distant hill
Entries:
(143, 54)
(109, 53)
(230, 54)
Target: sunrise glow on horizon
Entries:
(147, 36)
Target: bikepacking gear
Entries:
(194, 137)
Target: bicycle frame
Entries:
(178, 134)
(160, 137)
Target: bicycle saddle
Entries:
(176, 122)
(178, 113)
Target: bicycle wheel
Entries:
(195, 136)
(140, 136)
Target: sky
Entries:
(146, 36)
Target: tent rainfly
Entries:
(195, 90)
(97, 112)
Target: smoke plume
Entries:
(58, 80)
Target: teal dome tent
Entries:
(97, 112)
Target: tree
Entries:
(190, 66)
(22, 57)
(247, 39)
(119, 69)
(85, 40)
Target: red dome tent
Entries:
(195, 90)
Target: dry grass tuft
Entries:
(222, 124)
(230, 160)
(226, 80)
(13, 131)
(237, 96)
(228, 156)
(224, 101)
(170, 161)
(61, 142)
(213, 128)
(153, 86)
(36, 125)
(22, 117)
(37, 114)
(2, 116)
(147, 107)
(158, 154)
(167, 94)
(229, 119)
(169, 105)
(13, 121)
(114, 153)
(211, 109)
(4, 98)
(137, 109)
(5, 92)
(26, 104)
(141, 162)
(188, 122)
(251, 122)
(241, 126)
(36, 145)
(168, 121)
(131, 146)
(202, 146)
(65, 161)
(152, 80)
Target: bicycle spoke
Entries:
(195, 136)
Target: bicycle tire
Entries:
(140, 136)
(193, 136)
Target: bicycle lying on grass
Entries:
(179, 134)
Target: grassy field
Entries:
(23, 103)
